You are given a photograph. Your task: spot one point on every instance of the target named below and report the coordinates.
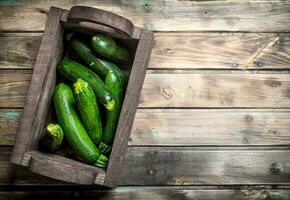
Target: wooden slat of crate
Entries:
(164, 15)
(181, 166)
(188, 127)
(178, 50)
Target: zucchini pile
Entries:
(89, 99)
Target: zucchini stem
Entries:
(104, 148)
(52, 138)
(102, 161)
(80, 85)
(110, 105)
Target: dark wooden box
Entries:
(37, 108)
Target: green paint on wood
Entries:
(10, 114)
(11, 2)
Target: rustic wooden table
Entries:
(213, 119)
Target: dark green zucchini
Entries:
(52, 138)
(112, 117)
(72, 70)
(89, 110)
(74, 131)
(99, 66)
(107, 47)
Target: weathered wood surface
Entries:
(178, 50)
(178, 89)
(9, 122)
(182, 127)
(175, 90)
(14, 86)
(190, 90)
(163, 15)
(160, 193)
(195, 166)
(221, 51)
(199, 127)
(181, 166)
(19, 50)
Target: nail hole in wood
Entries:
(273, 83)
(277, 168)
(272, 132)
(258, 63)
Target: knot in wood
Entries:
(167, 51)
(277, 168)
(130, 141)
(146, 5)
(258, 63)
(273, 83)
(286, 92)
(234, 65)
(272, 132)
(154, 131)
(166, 91)
(246, 140)
(148, 26)
(249, 118)
(151, 172)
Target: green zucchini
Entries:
(107, 47)
(52, 138)
(112, 117)
(99, 66)
(74, 131)
(89, 110)
(72, 70)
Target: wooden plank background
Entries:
(165, 15)
(178, 166)
(162, 193)
(214, 109)
(182, 50)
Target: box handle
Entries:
(118, 23)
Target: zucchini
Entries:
(74, 131)
(107, 47)
(99, 66)
(89, 110)
(52, 138)
(112, 117)
(72, 70)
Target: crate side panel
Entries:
(43, 61)
(135, 84)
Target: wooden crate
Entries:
(37, 108)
